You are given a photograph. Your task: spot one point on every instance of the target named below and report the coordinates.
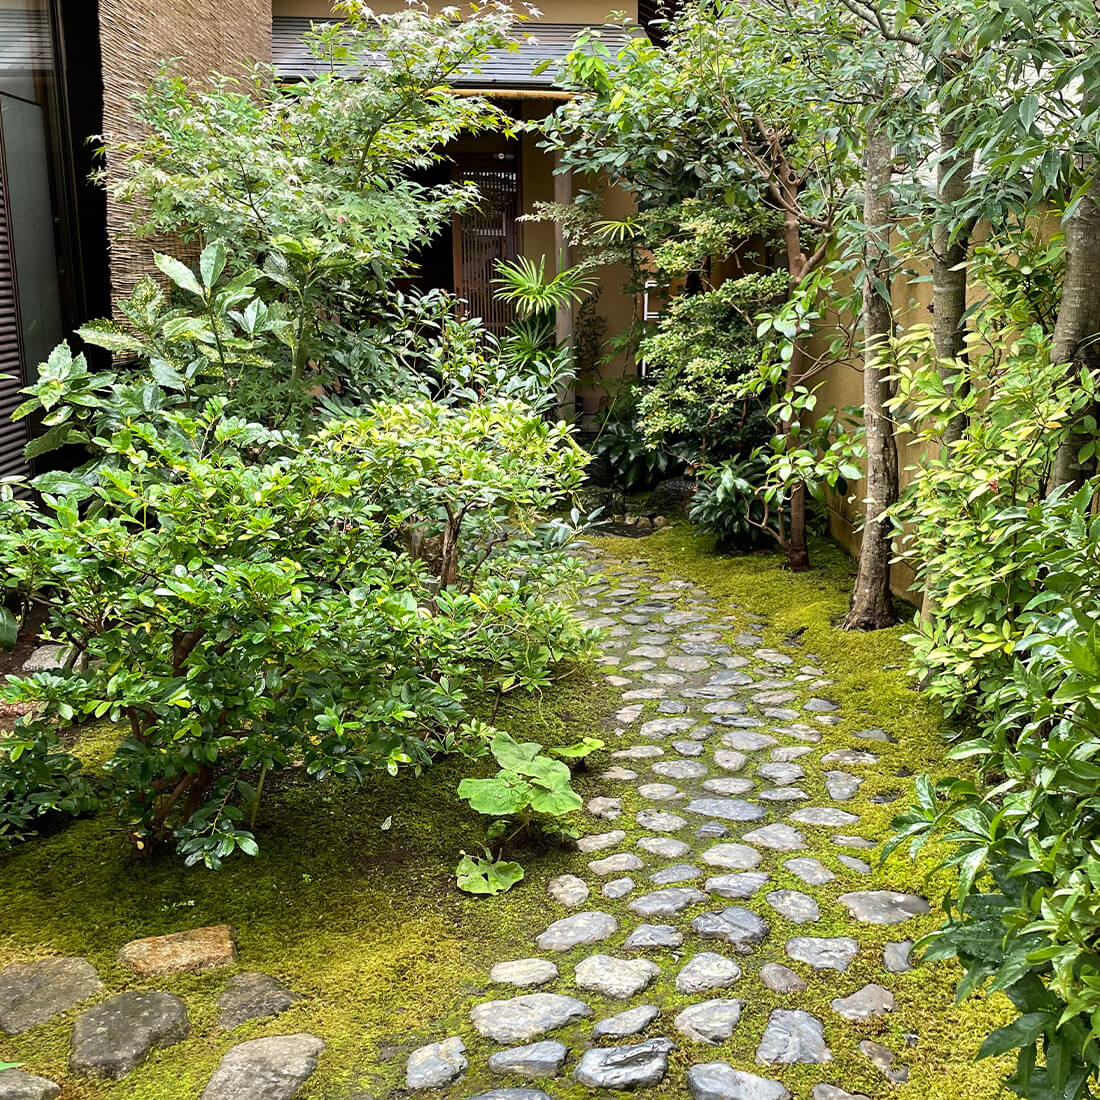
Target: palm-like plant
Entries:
(524, 283)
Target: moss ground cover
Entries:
(367, 923)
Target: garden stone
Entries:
(728, 785)
(709, 1021)
(616, 864)
(660, 821)
(180, 952)
(618, 978)
(741, 928)
(883, 1060)
(731, 676)
(436, 1065)
(871, 1000)
(849, 757)
(711, 830)
(793, 1037)
(115, 1037)
(618, 887)
(873, 735)
(607, 808)
(639, 752)
(784, 794)
(522, 1018)
(688, 748)
(781, 773)
(543, 1059)
(680, 769)
(706, 971)
(619, 775)
(274, 1068)
(781, 979)
(653, 935)
(524, 972)
(630, 714)
(663, 679)
(859, 865)
(667, 903)
(831, 1092)
(823, 952)
(17, 1085)
(665, 846)
(781, 838)
(33, 992)
(626, 1023)
(809, 870)
(730, 761)
(826, 816)
(738, 885)
(725, 706)
(671, 706)
(733, 856)
(820, 706)
(598, 841)
(581, 928)
(665, 727)
(774, 656)
(683, 663)
(745, 740)
(781, 714)
(895, 956)
(252, 996)
(727, 809)
(841, 786)
(853, 842)
(718, 1081)
(795, 906)
(677, 872)
(625, 1067)
(660, 792)
(883, 906)
(682, 618)
(734, 662)
(785, 754)
(568, 890)
(763, 697)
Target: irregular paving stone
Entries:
(709, 1021)
(436, 1065)
(542, 1059)
(823, 952)
(853, 841)
(680, 769)
(739, 885)
(775, 696)
(786, 753)
(522, 1018)
(884, 1061)
(741, 928)
(725, 706)
(683, 663)
(626, 1023)
(705, 971)
(895, 956)
(32, 992)
(580, 928)
(795, 906)
(665, 846)
(729, 760)
(665, 727)
(619, 775)
(793, 1037)
(826, 816)
(859, 865)
(619, 978)
(638, 752)
(727, 809)
(625, 1067)
(688, 748)
(733, 856)
(744, 740)
(711, 830)
(627, 715)
(784, 794)
(618, 887)
(820, 706)
(849, 757)
(274, 1068)
(831, 1092)
(781, 979)
(871, 1000)
(598, 841)
(671, 706)
(781, 773)
(667, 903)
(616, 864)
(607, 808)
(677, 872)
(883, 906)
(17, 1085)
(873, 735)
(663, 679)
(782, 714)
(524, 972)
(660, 792)
(180, 952)
(647, 936)
(842, 786)
(660, 821)
(728, 785)
(718, 1081)
(781, 838)
(811, 871)
(251, 996)
(568, 890)
(115, 1037)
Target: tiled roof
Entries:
(536, 43)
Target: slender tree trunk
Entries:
(872, 605)
(796, 547)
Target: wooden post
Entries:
(563, 193)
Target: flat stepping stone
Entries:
(180, 952)
(781, 773)
(849, 757)
(581, 928)
(780, 838)
(728, 785)
(741, 884)
(678, 872)
(660, 792)
(598, 841)
(883, 906)
(781, 714)
(885, 1061)
(740, 928)
(784, 794)
(688, 748)
(709, 1021)
(667, 903)
(873, 735)
(719, 1081)
(733, 856)
(671, 706)
(638, 752)
(706, 971)
(524, 973)
(680, 769)
(871, 1000)
(618, 887)
(682, 618)
(660, 821)
(618, 978)
(825, 816)
(684, 663)
(665, 846)
(521, 1018)
(793, 1037)
(730, 761)
(436, 1065)
(114, 1038)
(860, 866)
(861, 842)
(821, 706)
(624, 1024)
(811, 871)
(725, 809)
(841, 786)
(665, 727)
(33, 992)
(252, 996)
(795, 906)
(823, 952)
(616, 864)
(711, 830)
(542, 1059)
(625, 1067)
(274, 1068)
(625, 716)
(831, 1092)
(726, 706)
(895, 956)
(647, 936)
(619, 775)
(784, 754)
(781, 979)
(17, 1085)
(744, 740)
(605, 807)
(568, 890)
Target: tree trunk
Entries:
(872, 606)
(796, 547)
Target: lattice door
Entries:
(485, 235)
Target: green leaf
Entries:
(179, 273)
(579, 750)
(1020, 1033)
(9, 629)
(485, 876)
(212, 263)
(507, 793)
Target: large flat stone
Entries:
(742, 884)
(627, 1067)
(827, 817)
(580, 928)
(740, 928)
(436, 1065)
(718, 1081)
(706, 971)
(780, 838)
(660, 821)
(823, 952)
(668, 902)
(595, 842)
(793, 1037)
(521, 1018)
(114, 1038)
(871, 1000)
(180, 952)
(512, 1094)
(17, 1085)
(619, 978)
(524, 972)
(542, 1059)
(273, 1068)
(251, 996)
(33, 992)
(733, 856)
(831, 1092)
(709, 1021)
(623, 1024)
(883, 906)
(726, 809)
(811, 871)
(797, 907)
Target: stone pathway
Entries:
(701, 864)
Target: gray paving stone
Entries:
(665, 846)
(580, 928)
(677, 872)
(666, 727)
(618, 978)
(784, 754)
(524, 973)
(619, 775)
(33, 992)
(824, 816)
(729, 760)
(843, 841)
(726, 809)
(747, 740)
(871, 1000)
(709, 1021)
(711, 830)
(624, 1024)
(820, 706)
(784, 794)
(114, 1038)
(883, 906)
(668, 902)
(17, 1085)
(272, 1068)
(728, 785)
(823, 952)
(639, 752)
(542, 1059)
(781, 838)
(688, 748)
(660, 792)
(680, 769)
(781, 773)
(598, 841)
(860, 866)
(885, 1061)
(660, 821)
(568, 890)
(793, 1037)
(781, 979)
(831, 1092)
(719, 1081)
(849, 757)
(740, 928)
(809, 870)
(618, 887)
(841, 785)
(795, 906)
(873, 735)
(741, 884)
(628, 1067)
(895, 956)
(649, 936)
(733, 856)
(521, 1018)
(683, 663)
(605, 807)
(436, 1065)
(706, 971)
(616, 864)
(252, 996)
